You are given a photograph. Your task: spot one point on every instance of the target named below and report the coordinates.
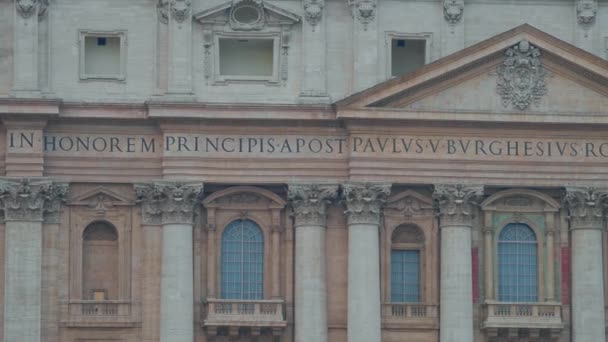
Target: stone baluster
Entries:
(364, 203)
(309, 202)
(25, 203)
(172, 205)
(586, 212)
(456, 204)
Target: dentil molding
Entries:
(364, 201)
(310, 201)
(166, 202)
(456, 202)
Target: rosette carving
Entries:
(586, 206)
(168, 202)
(456, 202)
(30, 199)
(310, 201)
(364, 201)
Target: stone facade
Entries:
(335, 161)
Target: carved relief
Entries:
(521, 77)
(30, 199)
(162, 9)
(364, 11)
(309, 202)
(586, 11)
(518, 201)
(285, 39)
(180, 9)
(313, 12)
(456, 202)
(247, 15)
(26, 8)
(409, 206)
(364, 201)
(453, 11)
(407, 233)
(207, 43)
(586, 206)
(168, 202)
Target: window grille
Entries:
(405, 276)
(517, 264)
(242, 261)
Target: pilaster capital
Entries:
(29, 199)
(27, 8)
(586, 207)
(313, 11)
(456, 202)
(364, 11)
(364, 201)
(166, 202)
(309, 202)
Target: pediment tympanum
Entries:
(100, 197)
(522, 74)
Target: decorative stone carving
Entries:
(586, 11)
(364, 11)
(453, 11)
(456, 202)
(285, 40)
(240, 198)
(313, 12)
(409, 206)
(168, 202)
(180, 9)
(586, 206)
(364, 201)
(30, 199)
(207, 44)
(247, 15)
(26, 8)
(309, 202)
(162, 9)
(521, 76)
(407, 233)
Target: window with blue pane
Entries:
(517, 264)
(405, 276)
(242, 261)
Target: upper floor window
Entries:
(100, 262)
(242, 261)
(248, 58)
(102, 55)
(407, 241)
(407, 52)
(517, 264)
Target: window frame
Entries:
(390, 35)
(121, 35)
(410, 246)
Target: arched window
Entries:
(100, 262)
(407, 242)
(242, 261)
(517, 264)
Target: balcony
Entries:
(108, 313)
(517, 319)
(416, 315)
(238, 317)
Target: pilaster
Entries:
(365, 44)
(585, 27)
(25, 58)
(314, 53)
(24, 147)
(453, 26)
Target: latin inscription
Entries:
(287, 146)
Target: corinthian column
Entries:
(172, 205)
(364, 203)
(456, 204)
(24, 203)
(586, 212)
(309, 202)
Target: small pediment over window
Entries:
(100, 198)
(247, 15)
(409, 203)
(244, 197)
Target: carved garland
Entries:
(521, 76)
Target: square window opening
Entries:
(407, 55)
(246, 57)
(102, 56)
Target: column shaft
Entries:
(177, 292)
(22, 284)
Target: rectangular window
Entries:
(246, 57)
(405, 276)
(102, 55)
(407, 55)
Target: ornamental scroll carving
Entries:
(586, 12)
(453, 11)
(521, 77)
(310, 201)
(313, 12)
(179, 9)
(26, 8)
(586, 206)
(168, 202)
(32, 199)
(364, 201)
(363, 10)
(456, 202)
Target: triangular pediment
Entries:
(224, 14)
(101, 197)
(519, 75)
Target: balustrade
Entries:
(265, 313)
(523, 315)
(90, 313)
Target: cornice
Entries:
(35, 106)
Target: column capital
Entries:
(586, 206)
(166, 202)
(309, 202)
(456, 202)
(29, 199)
(364, 201)
(26, 8)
